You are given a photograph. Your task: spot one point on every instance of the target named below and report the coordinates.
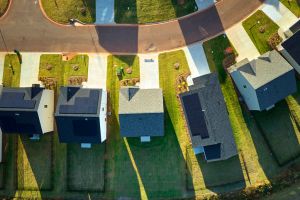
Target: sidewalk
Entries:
(149, 71)
(242, 43)
(280, 14)
(196, 59)
(30, 69)
(105, 12)
(97, 71)
(2, 57)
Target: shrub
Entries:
(274, 40)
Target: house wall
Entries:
(103, 115)
(248, 93)
(46, 115)
(289, 58)
(1, 141)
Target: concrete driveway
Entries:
(97, 71)
(203, 4)
(105, 12)
(30, 69)
(149, 72)
(196, 59)
(280, 14)
(242, 42)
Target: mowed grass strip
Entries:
(3, 6)
(145, 11)
(259, 28)
(159, 164)
(293, 5)
(12, 71)
(85, 168)
(62, 10)
(34, 160)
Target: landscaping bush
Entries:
(228, 61)
(274, 40)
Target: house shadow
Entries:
(34, 163)
(161, 165)
(188, 7)
(222, 176)
(126, 12)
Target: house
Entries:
(290, 49)
(264, 81)
(141, 113)
(293, 29)
(27, 110)
(207, 119)
(81, 115)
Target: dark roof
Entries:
(141, 112)
(292, 46)
(295, 27)
(77, 115)
(212, 152)
(206, 115)
(78, 101)
(18, 110)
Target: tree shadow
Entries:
(188, 7)
(34, 163)
(161, 165)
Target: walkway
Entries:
(196, 59)
(105, 12)
(242, 43)
(149, 71)
(30, 69)
(25, 28)
(280, 14)
(97, 71)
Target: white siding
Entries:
(248, 93)
(103, 115)
(46, 115)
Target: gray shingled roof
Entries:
(215, 115)
(141, 112)
(262, 70)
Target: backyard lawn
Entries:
(12, 71)
(293, 5)
(3, 6)
(85, 168)
(34, 160)
(145, 11)
(259, 28)
(63, 10)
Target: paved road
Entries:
(25, 28)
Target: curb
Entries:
(7, 9)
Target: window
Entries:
(244, 86)
(45, 106)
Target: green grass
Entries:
(63, 70)
(63, 10)
(293, 5)
(252, 27)
(86, 167)
(34, 160)
(160, 177)
(12, 71)
(126, 62)
(282, 134)
(144, 11)
(3, 6)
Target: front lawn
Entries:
(12, 71)
(63, 10)
(3, 6)
(34, 160)
(85, 167)
(293, 5)
(259, 28)
(145, 11)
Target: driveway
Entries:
(97, 71)
(196, 59)
(30, 69)
(149, 72)
(105, 12)
(280, 14)
(203, 4)
(242, 42)
(2, 58)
